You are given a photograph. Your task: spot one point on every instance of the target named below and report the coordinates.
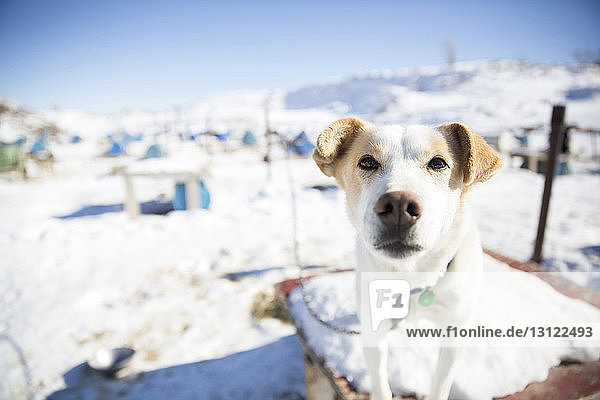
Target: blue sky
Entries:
(107, 56)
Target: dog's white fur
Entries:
(445, 230)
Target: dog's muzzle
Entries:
(398, 212)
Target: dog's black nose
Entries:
(398, 209)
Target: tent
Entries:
(179, 202)
(155, 151)
(301, 145)
(223, 137)
(39, 145)
(75, 139)
(116, 149)
(249, 139)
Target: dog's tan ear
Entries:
(333, 140)
(479, 160)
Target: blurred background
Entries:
(152, 152)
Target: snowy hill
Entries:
(490, 96)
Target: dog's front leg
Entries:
(376, 351)
(444, 373)
(377, 363)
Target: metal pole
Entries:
(556, 140)
(268, 135)
(594, 148)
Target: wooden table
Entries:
(191, 178)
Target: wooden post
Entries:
(131, 205)
(268, 134)
(192, 193)
(556, 139)
(318, 386)
(594, 148)
(532, 163)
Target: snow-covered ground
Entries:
(69, 286)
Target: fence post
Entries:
(556, 140)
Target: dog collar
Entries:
(427, 296)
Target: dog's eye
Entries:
(437, 164)
(368, 163)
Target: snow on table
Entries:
(484, 372)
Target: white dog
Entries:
(405, 193)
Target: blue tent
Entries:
(75, 139)
(155, 151)
(301, 145)
(116, 149)
(223, 137)
(39, 145)
(179, 202)
(204, 196)
(249, 139)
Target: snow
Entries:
(488, 369)
(210, 379)
(69, 287)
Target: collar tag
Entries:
(426, 298)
